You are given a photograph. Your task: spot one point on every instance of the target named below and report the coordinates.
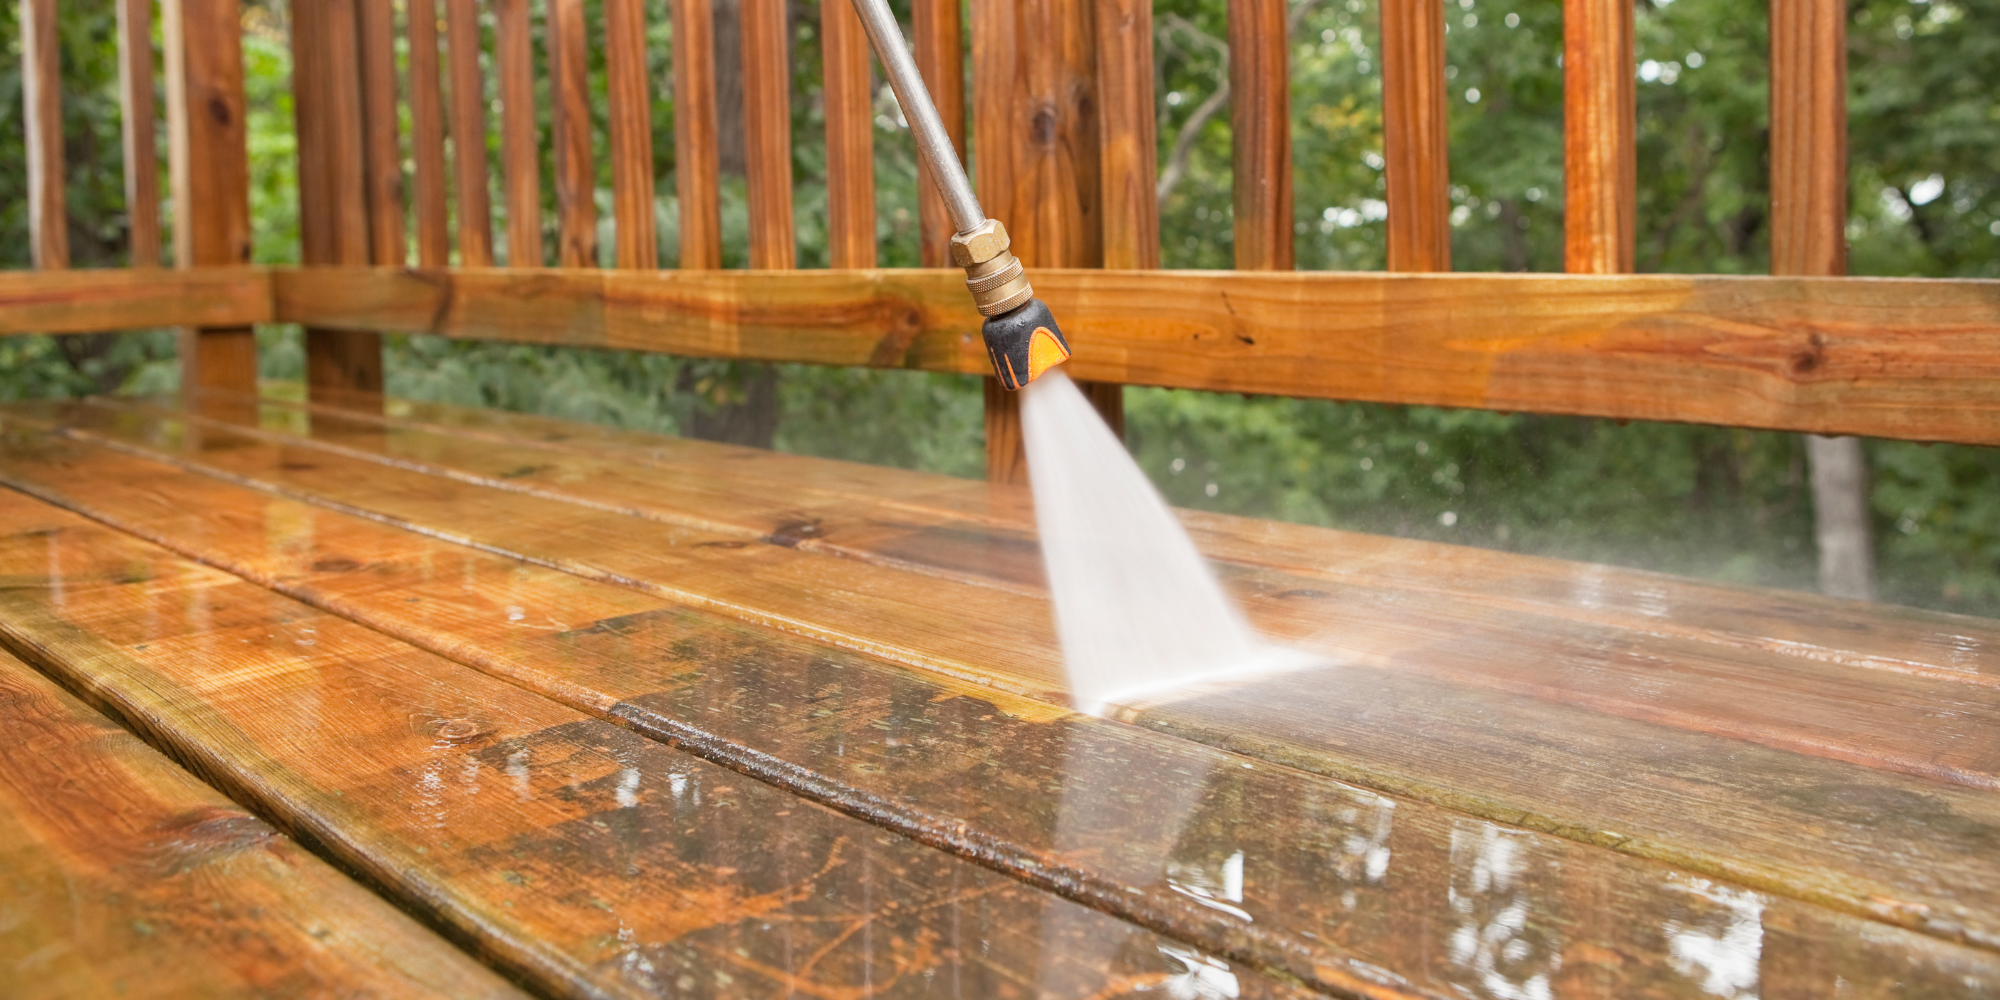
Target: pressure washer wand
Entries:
(1021, 336)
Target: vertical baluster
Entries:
(382, 140)
(427, 136)
(631, 134)
(1809, 237)
(696, 162)
(1130, 163)
(576, 171)
(940, 50)
(1414, 137)
(41, 96)
(767, 133)
(468, 133)
(135, 102)
(1260, 122)
(1600, 135)
(209, 164)
(850, 137)
(520, 154)
(333, 201)
(1035, 127)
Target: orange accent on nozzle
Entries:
(1044, 352)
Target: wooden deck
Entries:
(621, 715)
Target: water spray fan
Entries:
(1022, 338)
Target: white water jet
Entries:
(1137, 609)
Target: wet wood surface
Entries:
(123, 875)
(1882, 357)
(1360, 892)
(97, 301)
(575, 854)
(1406, 715)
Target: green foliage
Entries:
(1925, 196)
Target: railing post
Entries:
(1809, 237)
(1036, 158)
(210, 168)
(334, 225)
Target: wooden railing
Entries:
(1062, 116)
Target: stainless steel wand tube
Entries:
(992, 272)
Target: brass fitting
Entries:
(992, 273)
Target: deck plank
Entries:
(121, 874)
(584, 858)
(1836, 710)
(1809, 626)
(682, 675)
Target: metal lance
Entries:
(1022, 338)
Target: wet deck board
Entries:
(1846, 710)
(575, 854)
(123, 875)
(600, 632)
(1953, 647)
(1399, 717)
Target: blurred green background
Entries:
(1713, 502)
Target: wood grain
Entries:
(333, 191)
(576, 168)
(126, 876)
(1609, 663)
(1260, 118)
(938, 28)
(41, 114)
(427, 136)
(1415, 143)
(209, 167)
(767, 132)
(136, 131)
(850, 137)
(1883, 357)
(382, 147)
(681, 676)
(1808, 137)
(1600, 138)
(574, 854)
(468, 135)
(1036, 119)
(1807, 626)
(1035, 122)
(326, 96)
(1129, 158)
(696, 154)
(629, 91)
(520, 140)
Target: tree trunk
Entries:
(1840, 516)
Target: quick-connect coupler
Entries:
(1022, 338)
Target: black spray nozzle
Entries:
(1023, 343)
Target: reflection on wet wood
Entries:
(576, 854)
(122, 875)
(1835, 710)
(1323, 869)
(1829, 630)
